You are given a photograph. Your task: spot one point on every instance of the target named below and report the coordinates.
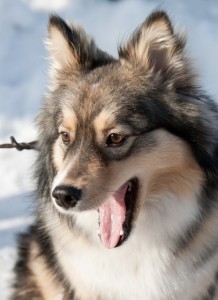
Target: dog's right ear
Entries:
(71, 49)
(68, 46)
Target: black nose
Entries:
(66, 196)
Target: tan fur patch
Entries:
(43, 277)
(94, 176)
(92, 171)
(176, 168)
(105, 120)
(69, 120)
(105, 123)
(69, 124)
(178, 180)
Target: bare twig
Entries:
(20, 146)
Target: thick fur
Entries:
(151, 96)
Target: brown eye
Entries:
(115, 139)
(65, 137)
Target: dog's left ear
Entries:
(154, 46)
(71, 49)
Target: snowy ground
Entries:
(23, 67)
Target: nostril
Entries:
(66, 196)
(60, 197)
(76, 193)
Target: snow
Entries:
(23, 79)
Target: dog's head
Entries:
(114, 132)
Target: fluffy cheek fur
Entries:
(170, 181)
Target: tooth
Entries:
(129, 186)
(121, 232)
(98, 232)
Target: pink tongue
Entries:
(112, 215)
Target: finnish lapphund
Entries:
(127, 173)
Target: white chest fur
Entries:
(142, 268)
(130, 272)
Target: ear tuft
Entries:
(154, 46)
(162, 17)
(57, 22)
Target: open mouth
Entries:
(116, 214)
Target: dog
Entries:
(126, 174)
